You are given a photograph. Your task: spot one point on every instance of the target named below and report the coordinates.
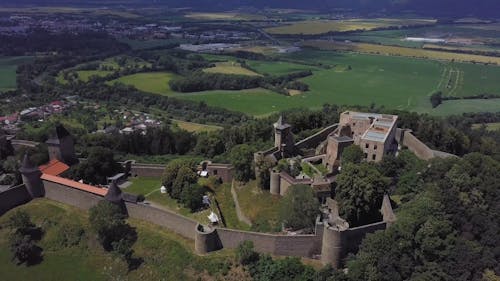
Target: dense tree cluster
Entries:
(99, 165)
(22, 239)
(299, 208)
(180, 180)
(113, 232)
(448, 231)
(360, 190)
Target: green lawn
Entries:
(8, 67)
(226, 203)
(152, 82)
(143, 185)
(489, 126)
(259, 206)
(166, 256)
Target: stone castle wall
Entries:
(147, 170)
(174, 222)
(316, 139)
(296, 245)
(211, 239)
(13, 197)
(421, 150)
(70, 196)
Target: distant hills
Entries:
(448, 8)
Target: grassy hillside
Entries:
(166, 256)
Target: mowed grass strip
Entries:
(195, 127)
(314, 27)
(151, 82)
(489, 126)
(400, 51)
(230, 68)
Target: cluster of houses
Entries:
(11, 122)
(132, 122)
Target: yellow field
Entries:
(230, 68)
(399, 51)
(315, 27)
(195, 127)
(459, 48)
(224, 16)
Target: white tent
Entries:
(213, 217)
(163, 189)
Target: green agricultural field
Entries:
(315, 27)
(151, 82)
(166, 255)
(8, 66)
(394, 82)
(459, 106)
(230, 67)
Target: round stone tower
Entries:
(275, 182)
(31, 177)
(206, 240)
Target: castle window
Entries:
(215, 172)
(375, 147)
(366, 155)
(373, 156)
(367, 145)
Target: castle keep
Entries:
(375, 134)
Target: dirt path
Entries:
(239, 213)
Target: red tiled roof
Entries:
(76, 185)
(54, 167)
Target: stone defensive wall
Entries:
(316, 139)
(68, 195)
(179, 224)
(13, 197)
(18, 144)
(281, 245)
(147, 170)
(331, 243)
(421, 150)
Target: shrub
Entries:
(246, 254)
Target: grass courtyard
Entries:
(150, 187)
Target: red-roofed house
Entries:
(54, 167)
